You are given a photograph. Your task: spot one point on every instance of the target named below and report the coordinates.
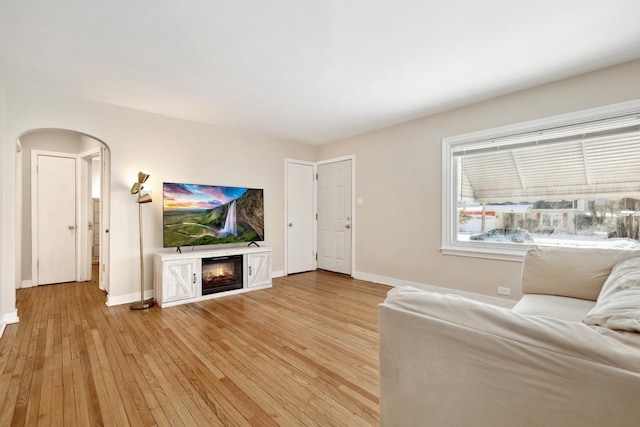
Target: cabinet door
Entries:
(259, 269)
(179, 280)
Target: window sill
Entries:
(487, 252)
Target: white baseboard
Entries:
(501, 302)
(26, 284)
(9, 318)
(127, 299)
(279, 273)
(6, 319)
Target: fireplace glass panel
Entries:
(221, 274)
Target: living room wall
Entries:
(169, 149)
(399, 178)
(7, 294)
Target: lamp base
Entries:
(141, 305)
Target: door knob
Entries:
(347, 226)
(72, 227)
(290, 224)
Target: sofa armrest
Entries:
(569, 272)
(446, 360)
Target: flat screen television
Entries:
(195, 215)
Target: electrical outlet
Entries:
(504, 290)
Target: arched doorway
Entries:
(87, 159)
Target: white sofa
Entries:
(568, 354)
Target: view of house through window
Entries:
(601, 222)
(569, 185)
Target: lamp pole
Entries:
(142, 198)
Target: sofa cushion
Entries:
(618, 305)
(563, 308)
(571, 272)
(449, 361)
(542, 332)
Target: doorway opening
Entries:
(320, 215)
(62, 242)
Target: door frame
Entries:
(35, 276)
(105, 218)
(105, 211)
(85, 207)
(287, 162)
(351, 157)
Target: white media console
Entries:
(180, 278)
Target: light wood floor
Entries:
(303, 353)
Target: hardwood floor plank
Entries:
(171, 388)
(304, 352)
(107, 395)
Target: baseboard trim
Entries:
(390, 281)
(279, 273)
(26, 284)
(127, 299)
(7, 319)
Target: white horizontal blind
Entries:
(586, 160)
(613, 126)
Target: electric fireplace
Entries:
(221, 274)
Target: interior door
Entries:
(334, 216)
(54, 217)
(300, 218)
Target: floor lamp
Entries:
(144, 196)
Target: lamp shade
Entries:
(135, 188)
(144, 196)
(142, 177)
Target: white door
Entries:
(55, 219)
(334, 216)
(300, 218)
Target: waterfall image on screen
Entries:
(230, 222)
(207, 215)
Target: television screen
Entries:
(209, 214)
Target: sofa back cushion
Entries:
(618, 305)
(570, 272)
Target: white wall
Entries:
(7, 263)
(169, 150)
(399, 177)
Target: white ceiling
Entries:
(304, 70)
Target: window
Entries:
(551, 221)
(570, 180)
